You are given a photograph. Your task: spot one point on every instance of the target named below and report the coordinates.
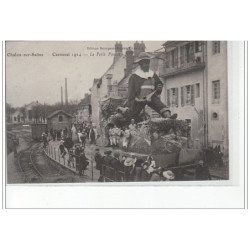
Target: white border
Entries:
(178, 195)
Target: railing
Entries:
(196, 63)
(69, 162)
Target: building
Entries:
(17, 117)
(85, 110)
(32, 112)
(59, 120)
(195, 87)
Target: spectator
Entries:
(98, 161)
(126, 138)
(138, 170)
(168, 175)
(129, 165)
(107, 159)
(111, 133)
(145, 176)
(62, 148)
(70, 159)
(132, 125)
(116, 165)
(68, 143)
(45, 141)
(83, 138)
(93, 135)
(83, 163)
(77, 156)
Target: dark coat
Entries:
(77, 155)
(98, 161)
(84, 162)
(134, 86)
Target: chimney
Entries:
(118, 51)
(138, 48)
(129, 61)
(66, 92)
(61, 95)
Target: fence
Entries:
(70, 161)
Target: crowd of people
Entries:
(129, 168)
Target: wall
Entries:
(194, 112)
(217, 70)
(55, 124)
(98, 94)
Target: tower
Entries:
(61, 95)
(118, 51)
(129, 61)
(138, 48)
(66, 92)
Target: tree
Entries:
(37, 112)
(9, 109)
(23, 111)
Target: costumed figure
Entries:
(144, 88)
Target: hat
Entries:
(129, 162)
(142, 56)
(108, 152)
(169, 175)
(116, 154)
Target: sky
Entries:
(30, 77)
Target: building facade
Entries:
(195, 87)
(85, 110)
(59, 120)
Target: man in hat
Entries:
(98, 161)
(116, 165)
(144, 88)
(107, 159)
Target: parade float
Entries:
(167, 140)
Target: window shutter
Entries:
(182, 55)
(167, 59)
(182, 97)
(192, 51)
(177, 97)
(192, 94)
(176, 57)
(168, 98)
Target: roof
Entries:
(98, 81)
(57, 112)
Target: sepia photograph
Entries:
(116, 111)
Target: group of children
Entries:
(122, 134)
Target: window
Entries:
(216, 47)
(174, 97)
(174, 58)
(216, 91)
(198, 46)
(189, 52)
(215, 116)
(197, 90)
(167, 59)
(60, 118)
(187, 95)
(15, 118)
